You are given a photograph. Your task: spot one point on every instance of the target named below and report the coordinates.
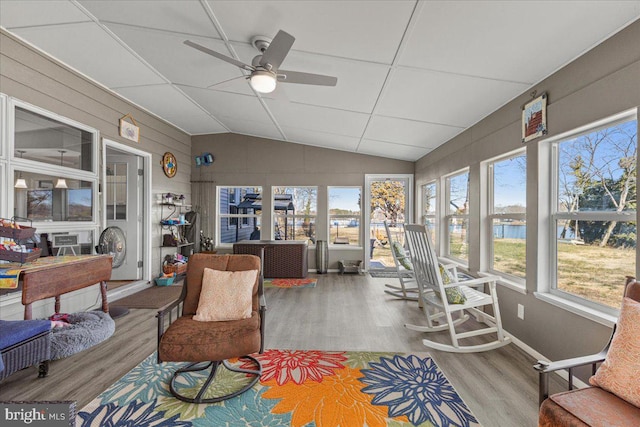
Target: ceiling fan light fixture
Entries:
(263, 81)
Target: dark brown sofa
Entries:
(282, 258)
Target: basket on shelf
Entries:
(174, 268)
(12, 232)
(20, 257)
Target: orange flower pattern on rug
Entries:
(297, 388)
(289, 283)
(337, 400)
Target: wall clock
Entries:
(169, 164)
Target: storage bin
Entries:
(165, 281)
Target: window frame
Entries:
(347, 216)
(242, 219)
(17, 165)
(491, 215)
(424, 215)
(294, 217)
(548, 291)
(447, 216)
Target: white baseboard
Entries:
(564, 374)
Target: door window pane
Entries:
(116, 191)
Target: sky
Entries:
(344, 198)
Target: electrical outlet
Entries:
(520, 311)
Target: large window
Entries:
(54, 174)
(49, 140)
(239, 214)
(429, 212)
(593, 212)
(457, 217)
(507, 214)
(294, 213)
(345, 215)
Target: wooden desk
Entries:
(53, 276)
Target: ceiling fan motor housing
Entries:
(261, 42)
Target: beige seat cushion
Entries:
(187, 340)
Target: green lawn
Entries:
(589, 271)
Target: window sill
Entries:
(575, 308)
(509, 284)
(345, 247)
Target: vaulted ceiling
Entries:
(411, 74)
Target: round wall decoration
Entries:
(169, 164)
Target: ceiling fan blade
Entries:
(219, 55)
(277, 50)
(306, 78)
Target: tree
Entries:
(389, 197)
(598, 172)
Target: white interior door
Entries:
(124, 208)
(387, 197)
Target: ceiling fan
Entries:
(264, 67)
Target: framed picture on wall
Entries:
(534, 118)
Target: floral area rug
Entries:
(290, 283)
(297, 388)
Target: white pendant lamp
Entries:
(61, 183)
(20, 182)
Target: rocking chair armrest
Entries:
(478, 281)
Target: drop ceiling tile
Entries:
(319, 119)
(16, 14)
(321, 139)
(365, 30)
(409, 132)
(232, 105)
(198, 123)
(188, 17)
(163, 100)
(90, 50)
(442, 98)
(392, 151)
(488, 38)
(179, 63)
(248, 127)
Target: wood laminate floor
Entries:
(349, 312)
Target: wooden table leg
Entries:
(103, 292)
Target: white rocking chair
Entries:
(433, 294)
(406, 275)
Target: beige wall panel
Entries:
(247, 160)
(30, 76)
(603, 82)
